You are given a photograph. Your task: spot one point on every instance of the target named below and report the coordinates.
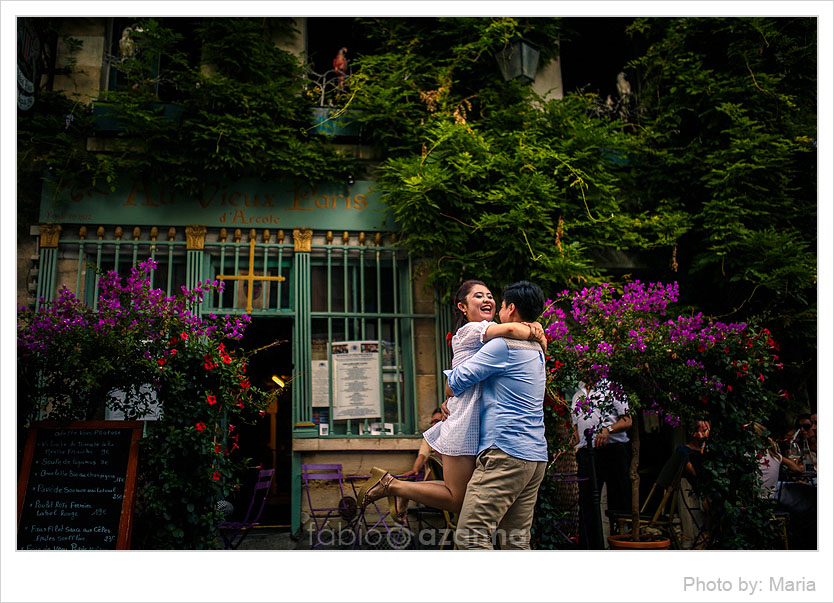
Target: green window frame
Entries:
(364, 292)
(353, 290)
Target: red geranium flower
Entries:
(200, 426)
(184, 335)
(216, 476)
(211, 400)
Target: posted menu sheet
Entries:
(356, 375)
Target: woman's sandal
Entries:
(374, 488)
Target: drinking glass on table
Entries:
(795, 452)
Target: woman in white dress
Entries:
(456, 438)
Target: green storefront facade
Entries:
(313, 264)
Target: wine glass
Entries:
(795, 452)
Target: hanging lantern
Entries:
(519, 59)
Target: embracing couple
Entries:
(492, 440)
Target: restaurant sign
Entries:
(248, 203)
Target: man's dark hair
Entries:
(527, 297)
(436, 411)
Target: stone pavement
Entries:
(279, 539)
(272, 539)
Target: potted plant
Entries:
(680, 369)
(333, 95)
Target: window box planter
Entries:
(106, 119)
(329, 122)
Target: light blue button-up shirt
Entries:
(512, 395)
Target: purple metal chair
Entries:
(234, 532)
(346, 507)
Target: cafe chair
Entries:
(346, 507)
(567, 491)
(690, 503)
(659, 508)
(234, 532)
(779, 522)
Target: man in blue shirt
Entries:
(512, 454)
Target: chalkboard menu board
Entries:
(77, 485)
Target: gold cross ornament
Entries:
(251, 277)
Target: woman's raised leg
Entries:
(447, 494)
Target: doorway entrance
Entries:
(268, 442)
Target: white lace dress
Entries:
(459, 433)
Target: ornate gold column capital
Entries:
(195, 237)
(49, 234)
(302, 239)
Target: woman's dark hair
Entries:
(460, 297)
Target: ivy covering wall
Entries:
(704, 174)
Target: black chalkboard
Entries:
(77, 485)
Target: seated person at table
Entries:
(694, 450)
(805, 435)
(797, 498)
(425, 450)
(698, 509)
(771, 461)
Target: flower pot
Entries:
(646, 542)
(328, 121)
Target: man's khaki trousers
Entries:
(499, 502)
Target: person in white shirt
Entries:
(425, 450)
(770, 462)
(601, 415)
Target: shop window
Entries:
(362, 342)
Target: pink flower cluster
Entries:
(125, 303)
